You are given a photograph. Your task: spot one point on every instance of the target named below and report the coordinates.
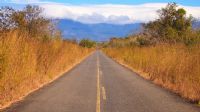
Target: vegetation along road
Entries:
(99, 84)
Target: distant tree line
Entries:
(87, 43)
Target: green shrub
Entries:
(143, 41)
(87, 43)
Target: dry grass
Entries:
(176, 67)
(27, 63)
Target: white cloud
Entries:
(194, 11)
(23, 1)
(27, 1)
(107, 13)
(118, 14)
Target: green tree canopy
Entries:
(87, 43)
(171, 24)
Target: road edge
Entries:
(45, 84)
(145, 75)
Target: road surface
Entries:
(98, 84)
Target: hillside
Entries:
(98, 32)
(196, 24)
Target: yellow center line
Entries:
(104, 93)
(98, 108)
(100, 73)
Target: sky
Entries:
(105, 11)
(184, 2)
(127, 2)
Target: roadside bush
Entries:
(87, 43)
(142, 41)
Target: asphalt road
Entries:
(98, 84)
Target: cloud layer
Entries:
(117, 14)
(107, 13)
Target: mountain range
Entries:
(97, 32)
(100, 32)
(196, 24)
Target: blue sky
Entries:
(183, 2)
(105, 11)
(128, 2)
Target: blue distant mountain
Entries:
(97, 32)
(196, 24)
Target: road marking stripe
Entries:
(98, 103)
(100, 72)
(104, 93)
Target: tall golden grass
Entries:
(27, 63)
(176, 67)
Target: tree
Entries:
(6, 22)
(171, 24)
(30, 20)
